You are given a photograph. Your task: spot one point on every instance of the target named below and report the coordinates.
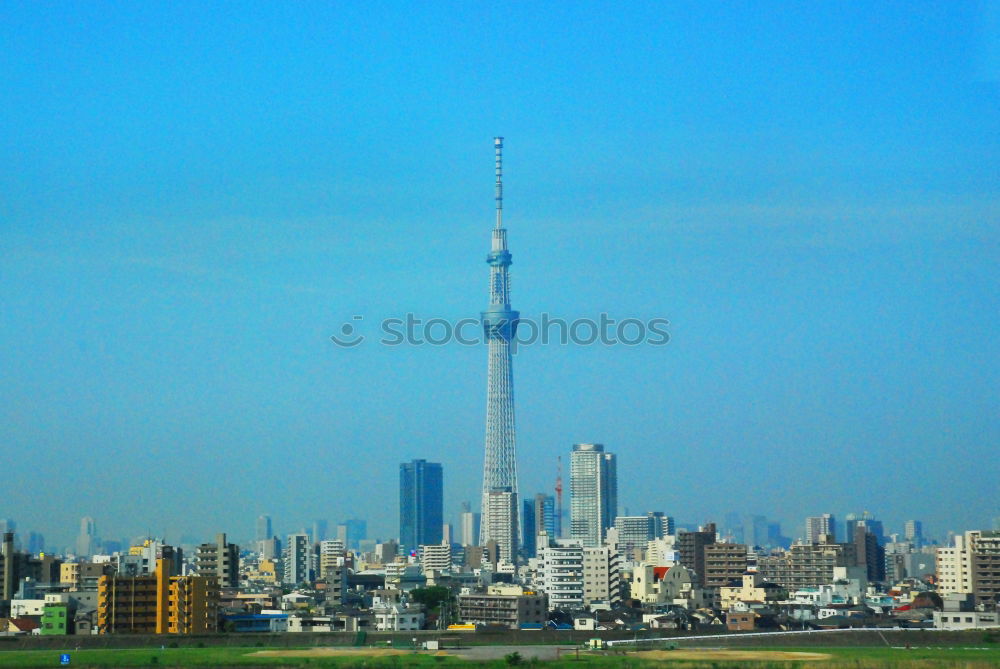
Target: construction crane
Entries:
(558, 522)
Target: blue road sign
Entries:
(64, 658)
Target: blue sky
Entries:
(195, 197)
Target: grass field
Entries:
(827, 658)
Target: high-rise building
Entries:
(635, 532)
(601, 576)
(867, 520)
(985, 549)
(355, 531)
(954, 566)
(299, 560)
(36, 543)
(807, 565)
(971, 565)
(820, 529)
(470, 525)
(538, 516)
(421, 510)
(87, 541)
(913, 530)
(593, 486)
(724, 563)
(561, 575)
(499, 327)
(755, 530)
(319, 530)
(529, 535)
(263, 530)
(435, 558)
(157, 603)
(501, 512)
(220, 559)
(691, 546)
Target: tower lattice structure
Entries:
(499, 510)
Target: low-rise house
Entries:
(398, 618)
(750, 589)
(965, 620)
(741, 621)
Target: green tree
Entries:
(431, 597)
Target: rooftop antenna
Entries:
(498, 145)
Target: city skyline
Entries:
(810, 201)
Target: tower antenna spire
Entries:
(498, 144)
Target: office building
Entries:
(421, 505)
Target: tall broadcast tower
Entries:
(499, 519)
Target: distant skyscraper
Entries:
(421, 513)
(356, 530)
(36, 543)
(914, 531)
(538, 515)
(470, 525)
(817, 526)
(755, 530)
(319, 530)
(528, 528)
(87, 542)
(263, 528)
(500, 324)
(593, 487)
(866, 520)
